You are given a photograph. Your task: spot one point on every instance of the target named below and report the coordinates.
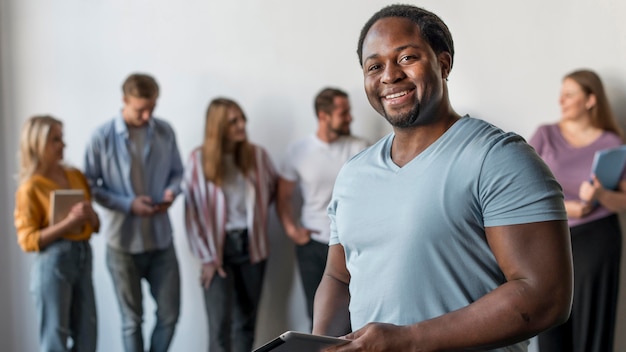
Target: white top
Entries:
(234, 188)
(314, 164)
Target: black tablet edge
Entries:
(270, 345)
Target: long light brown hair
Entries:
(601, 113)
(33, 139)
(215, 141)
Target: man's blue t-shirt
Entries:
(414, 237)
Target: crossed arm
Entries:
(536, 260)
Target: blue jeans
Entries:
(232, 302)
(160, 269)
(62, 287)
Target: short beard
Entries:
(339, 131)
(406, 120)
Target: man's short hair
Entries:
(141, 86)
(433, 30)
(324, 101)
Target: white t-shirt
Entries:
(234, 188)
(314, 164)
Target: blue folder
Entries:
(608, 166)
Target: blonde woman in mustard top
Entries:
(61, 282)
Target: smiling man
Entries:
(447, 234)
(312, 164)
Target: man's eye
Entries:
(373, 67)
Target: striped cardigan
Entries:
(206, 211)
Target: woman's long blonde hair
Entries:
(33, 139)
(215, 140)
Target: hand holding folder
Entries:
(61, 203)
(608, 166)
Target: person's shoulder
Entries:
(547, 128)
(355, 141)
(162, 124)
(106, 129)
(258, 149)
(304, 141)
(612, 138)
(72, 170)
(478, 130)
(301, 145)
(470, 122)
(75, 175)
(106, 126)
(30, 185)
(484, 135)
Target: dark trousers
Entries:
(232, 302)
(311, 262)
(596, 250)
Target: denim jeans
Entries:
(312, 263)
(232, 302)
(62, 287)
(160, 269)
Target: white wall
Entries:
(69, 58)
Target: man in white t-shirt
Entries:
(313, 164)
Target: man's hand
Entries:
(378, 337)
(142, 206)
(165, 203)
(301, 236)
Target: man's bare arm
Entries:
(330, 315)
(284, 209)
(536, 260)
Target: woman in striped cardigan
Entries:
(228, 185)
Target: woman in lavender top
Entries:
(568, 147)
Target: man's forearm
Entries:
(502, 317)
(285, 214)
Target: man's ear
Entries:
(323, 117)
(445, 62)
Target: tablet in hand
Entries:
(292, 341)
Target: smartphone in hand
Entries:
(162, 205)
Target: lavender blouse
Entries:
(572, 165)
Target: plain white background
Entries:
(69, 58)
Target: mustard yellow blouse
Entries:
(32, 208)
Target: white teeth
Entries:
(396, 95)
